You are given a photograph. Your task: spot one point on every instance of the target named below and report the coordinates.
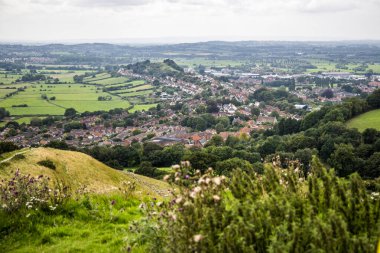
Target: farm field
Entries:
(369, 119)
(65, 76)
(81, 97)
(7, 78)
(326, 66)
(21, 120)
(121, 85)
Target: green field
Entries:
(66, 76)
(370, 119)
(7, 78)
(327, 66)
(81, 97)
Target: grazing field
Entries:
(370, 119)
(100, 92)
(110, 81)
(142, 107)
(7, 78)
(327, 66)
(65, 76)
(81, 97)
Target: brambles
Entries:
(280, 211)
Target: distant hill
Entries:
(76, 169)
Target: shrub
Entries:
(279, 211)
(47, 163)
(146, 169)
(19, 157)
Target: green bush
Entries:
(47, 163)
(279, 211)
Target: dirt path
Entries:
(10, 158)
(153, 187)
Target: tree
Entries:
(201, 160)
(212, 106)
(219, 127)
(372, 168)
(370, 135)
(70, 112)
(255, 111)
(215, 140)
(227, 166)
(146, 169)
(373, 99)
(343, 160)
(3, 113)
(328, 93)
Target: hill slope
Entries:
(366, 120)
(76, 169)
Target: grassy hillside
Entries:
(370, 119)
(76, 169)
(102, 221)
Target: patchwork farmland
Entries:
(97, 92)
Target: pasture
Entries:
(8, 78)
(366, 120)
(53, 99)
(81, 97)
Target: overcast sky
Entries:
(188, 20)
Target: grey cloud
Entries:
(111, 3)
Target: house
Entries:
(166, 141)
(266, 120)
(301, 107)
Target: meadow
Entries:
(366, 120)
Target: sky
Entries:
(172, 21)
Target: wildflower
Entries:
(217, 180)
(216, 198)
(178, 200)
(197, 238)
(113, 202)
(166, 177)
(193, 195)
(197, 189)
(176, 167)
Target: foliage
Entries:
(146, 169)
(47, 163)
(279, 211)
(69, 112)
